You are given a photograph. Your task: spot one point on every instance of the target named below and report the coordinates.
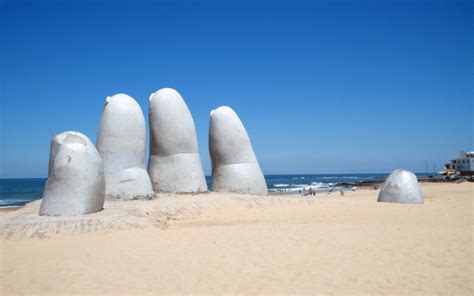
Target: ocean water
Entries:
(17, 192)
(318, 182)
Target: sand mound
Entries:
(159, 211)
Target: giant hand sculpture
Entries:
(76, 183)
(122, 144)
(234, 165)
(401, 186)
(174, 164)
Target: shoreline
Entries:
(10, 208)
(336, 187)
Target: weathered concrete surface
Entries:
(401, 186)
(76, 182)
(121, 142)
(234, 165)
(174, 164)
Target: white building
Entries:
(464, 164)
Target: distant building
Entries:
(464, 164)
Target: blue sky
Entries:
(322, 87)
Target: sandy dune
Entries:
(227, 243)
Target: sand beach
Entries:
(241, 244)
